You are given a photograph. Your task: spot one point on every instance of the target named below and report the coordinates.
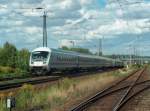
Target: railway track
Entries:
(18, 82)
(55, 74)
(116, 96)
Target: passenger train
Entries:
(44, 60)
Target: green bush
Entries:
(13, 60)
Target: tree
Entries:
(23, 59)
(8, 55)
(13, 58)
(64, 48)
(80, 50)
(1, 56)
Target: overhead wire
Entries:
(136, 53)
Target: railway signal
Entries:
(10, 103)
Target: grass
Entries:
(56, 96)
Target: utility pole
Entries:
(134, 54)
(140, 51)
(44, 30)
(44, 24)
(100, 47)
(44, 27)
(130, 48)
(84, 35)
(73, 43)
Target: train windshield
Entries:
(40, 56)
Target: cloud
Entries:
(68, 43)
(72, 19)
(120, 26)
(32, 30)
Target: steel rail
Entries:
(4, 85)
(31, 81)
(95, 98)
(122, 88)
(118, 105)
(100, 94)
(66, 74)
(133, 95)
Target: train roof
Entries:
(72, 53)
(42, 49)
(85, 55)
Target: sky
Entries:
(123, 25)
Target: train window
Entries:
(60, 57)
(66, 58)
(57, 57)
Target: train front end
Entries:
(39, 61)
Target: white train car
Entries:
(43, 60)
